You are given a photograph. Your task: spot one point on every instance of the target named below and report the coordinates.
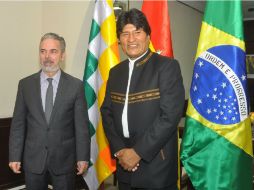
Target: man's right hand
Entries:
(128, 159)
(15, 167)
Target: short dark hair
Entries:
(135, 17)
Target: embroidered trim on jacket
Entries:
(136, 97)
(144, 60)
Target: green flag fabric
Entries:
(216, 149)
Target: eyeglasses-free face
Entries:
(134, 42)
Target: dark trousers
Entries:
(41, 181)
(126, 186)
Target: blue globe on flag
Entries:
(218, 85)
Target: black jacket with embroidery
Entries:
(156, 99)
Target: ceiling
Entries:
(248, 7)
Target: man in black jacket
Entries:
(141, 110)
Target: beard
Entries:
(48, 67)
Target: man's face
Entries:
(134, 41)
(50, 55)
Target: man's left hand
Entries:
(82, 167)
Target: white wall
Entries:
(23, 23)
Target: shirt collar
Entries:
(55, 78)
(133, 60)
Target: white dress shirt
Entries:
(45, 83)
(125, 108)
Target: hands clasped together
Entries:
(128, 159)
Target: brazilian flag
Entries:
(216, 149)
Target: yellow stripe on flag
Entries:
(211, 37)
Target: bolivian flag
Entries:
(102, 54)
(217, 147)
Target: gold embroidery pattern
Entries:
(143, 61)
(136, 97)
(118, 99)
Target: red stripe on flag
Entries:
(105, 156)
(158, 18)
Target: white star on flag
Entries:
(243, 77)
(214, 96)
(223, 85)
(199, 101)
(200, 63)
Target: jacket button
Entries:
(46, 147)
(48, 129)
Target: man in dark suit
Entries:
(49, 131)
(141, 110)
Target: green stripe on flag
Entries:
(226, 16)
(91, 65)
(90, 164)
(208, 157)
(90, 95)
(91, 129)
(95, 29)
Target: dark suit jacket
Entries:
(156, 99)
(64, 141)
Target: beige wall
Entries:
(185, 29)
(71, 19)
(19, 35)
(23, 23)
